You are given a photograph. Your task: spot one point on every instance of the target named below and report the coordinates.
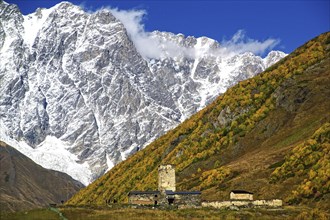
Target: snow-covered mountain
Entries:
(77, 95)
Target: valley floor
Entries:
(77, 213)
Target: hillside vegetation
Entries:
(268, 135)
(26, 185)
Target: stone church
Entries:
(166, 193)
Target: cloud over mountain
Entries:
(150, 47)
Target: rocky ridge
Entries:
(77, 96)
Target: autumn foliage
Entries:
(214, 129)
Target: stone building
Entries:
(187, 198)
(143, 197)
(166, 194)
(166, 178)
(241, 195)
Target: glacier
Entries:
(77, 96)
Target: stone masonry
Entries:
(166, 178)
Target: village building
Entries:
(166, 194)
(241, 195)
(166, 178)
(186, 198)
(143, 197)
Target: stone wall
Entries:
(244, 203)
(166, 178)
(272, 203)
(241, 196)
(190, 200)
(143, 199)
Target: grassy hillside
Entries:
(26, 185)
(257, 137)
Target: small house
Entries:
(241, 195)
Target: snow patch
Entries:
(33, 23)
(110, 164)
(203, 46)
(52, 154)
(127, 152)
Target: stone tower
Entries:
(166, 178)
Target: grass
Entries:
(125, 212)
(301, 133)
(36, 214)
(118, 213)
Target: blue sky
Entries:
(291, 22)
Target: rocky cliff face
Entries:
(77, 96)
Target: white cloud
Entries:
(240, 43)
(132, 20)
(150, 46)
(146, 43)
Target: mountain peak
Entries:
(4, 3)
(273, 56)
(84, 96)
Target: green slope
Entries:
(241, 140)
